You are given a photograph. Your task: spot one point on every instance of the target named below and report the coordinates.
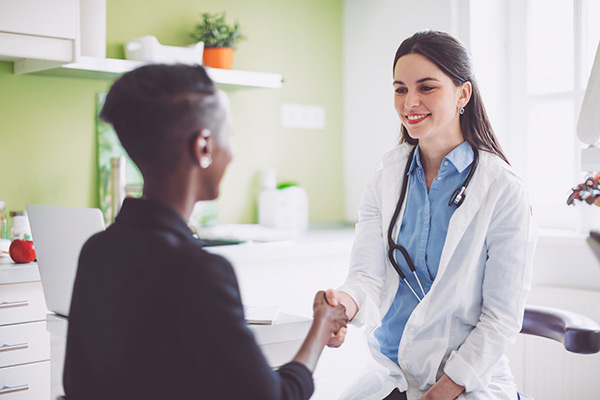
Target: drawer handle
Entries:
(8, 347)
(12, 389)
(14, 304)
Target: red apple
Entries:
(21, 251)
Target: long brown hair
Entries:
(454, 60)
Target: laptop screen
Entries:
(58, 234)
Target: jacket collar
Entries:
(148, 213)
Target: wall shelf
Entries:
(112, 68)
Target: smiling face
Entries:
(427, 100)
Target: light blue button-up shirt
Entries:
(422, 234)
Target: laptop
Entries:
(58, 234)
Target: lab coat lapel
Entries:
(476, 192)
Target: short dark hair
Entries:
(449, 54)
(158, 109)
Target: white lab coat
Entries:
(474, 309)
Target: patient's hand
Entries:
(333, 316)
(327, 320)
(334, 298)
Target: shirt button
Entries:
(445, 162)
(439, 178)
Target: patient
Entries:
(153, 315)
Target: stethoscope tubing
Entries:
(457, 199)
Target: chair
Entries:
(577, 333)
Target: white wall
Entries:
(491, 67)
(372, 31)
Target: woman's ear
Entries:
(202, 149)
(466, 89)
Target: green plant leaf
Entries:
(214, 31)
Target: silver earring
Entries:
(205, 162)
(202, 142)
(462, 110)
(205, 133)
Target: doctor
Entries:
(446, 204)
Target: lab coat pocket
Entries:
(374, 383)
(424, 360)
(424, 349)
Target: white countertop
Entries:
(17, 273)
(566, 259)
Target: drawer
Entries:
(24, 343)
(25, 382)
(22, 302)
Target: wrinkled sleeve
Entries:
(506, 283)
(365, 280)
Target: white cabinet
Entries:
(39, 29)
(24, 341)
(45, 36)
(56, 18)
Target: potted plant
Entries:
(220, 39)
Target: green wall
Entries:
(47, 129)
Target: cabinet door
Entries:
(25, 382)
(22, 302)
(56, 18)
(24, 343)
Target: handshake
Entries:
(337, 309)
(331, 312)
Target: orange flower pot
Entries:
(218, 57)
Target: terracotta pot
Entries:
(218, 57)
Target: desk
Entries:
(279, 343)
(285, 274)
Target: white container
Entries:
(20, 225)
(147, 48)
(283, 208)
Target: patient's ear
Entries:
(202, 149)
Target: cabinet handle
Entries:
(14, 304)
(8, 347)
(12, 389)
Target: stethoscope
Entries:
(457, 199)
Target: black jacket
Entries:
(154, 316)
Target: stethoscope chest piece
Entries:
(457, 197)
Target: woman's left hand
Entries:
(444, 389)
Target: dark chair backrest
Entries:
(578, 333)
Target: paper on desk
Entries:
(261, 315)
